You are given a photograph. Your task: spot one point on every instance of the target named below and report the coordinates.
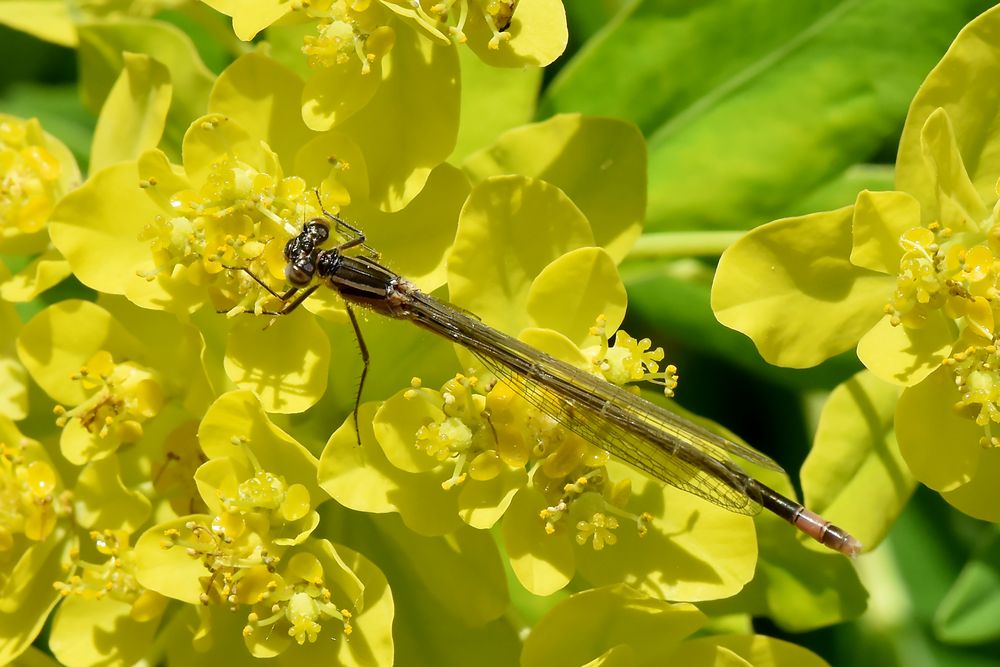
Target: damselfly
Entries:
(650, 438)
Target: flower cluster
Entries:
(908, 277)
(185, 501)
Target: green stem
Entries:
(661, 245)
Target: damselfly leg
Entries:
(358, 236)
(286, 298)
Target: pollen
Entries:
(463, 435)
(239, 566)
(628, 360)
(300, 602)
(30, 502)
(598, 531)
(976, 371)
(941, 271)
(347, 32)
(498, 15)
(114, 578)
(227, 222)
(448, 18)
(29, 177)
(120, 397)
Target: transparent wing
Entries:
(720, 485)
(647, 437)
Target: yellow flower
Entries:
(909, 277)
(35, 539)
(36, 170)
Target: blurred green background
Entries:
(753, 110)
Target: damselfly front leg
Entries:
(357, 237)
(291, 298)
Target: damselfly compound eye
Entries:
(300, 273)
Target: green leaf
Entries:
(916, 587)
(735, 138)
(210, 31)
(854, 475)
(588, 17)
(134, 113)
(843, 189)
(970, 612)
(102, 47)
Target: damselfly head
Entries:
(318, 230)
(313, 233)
